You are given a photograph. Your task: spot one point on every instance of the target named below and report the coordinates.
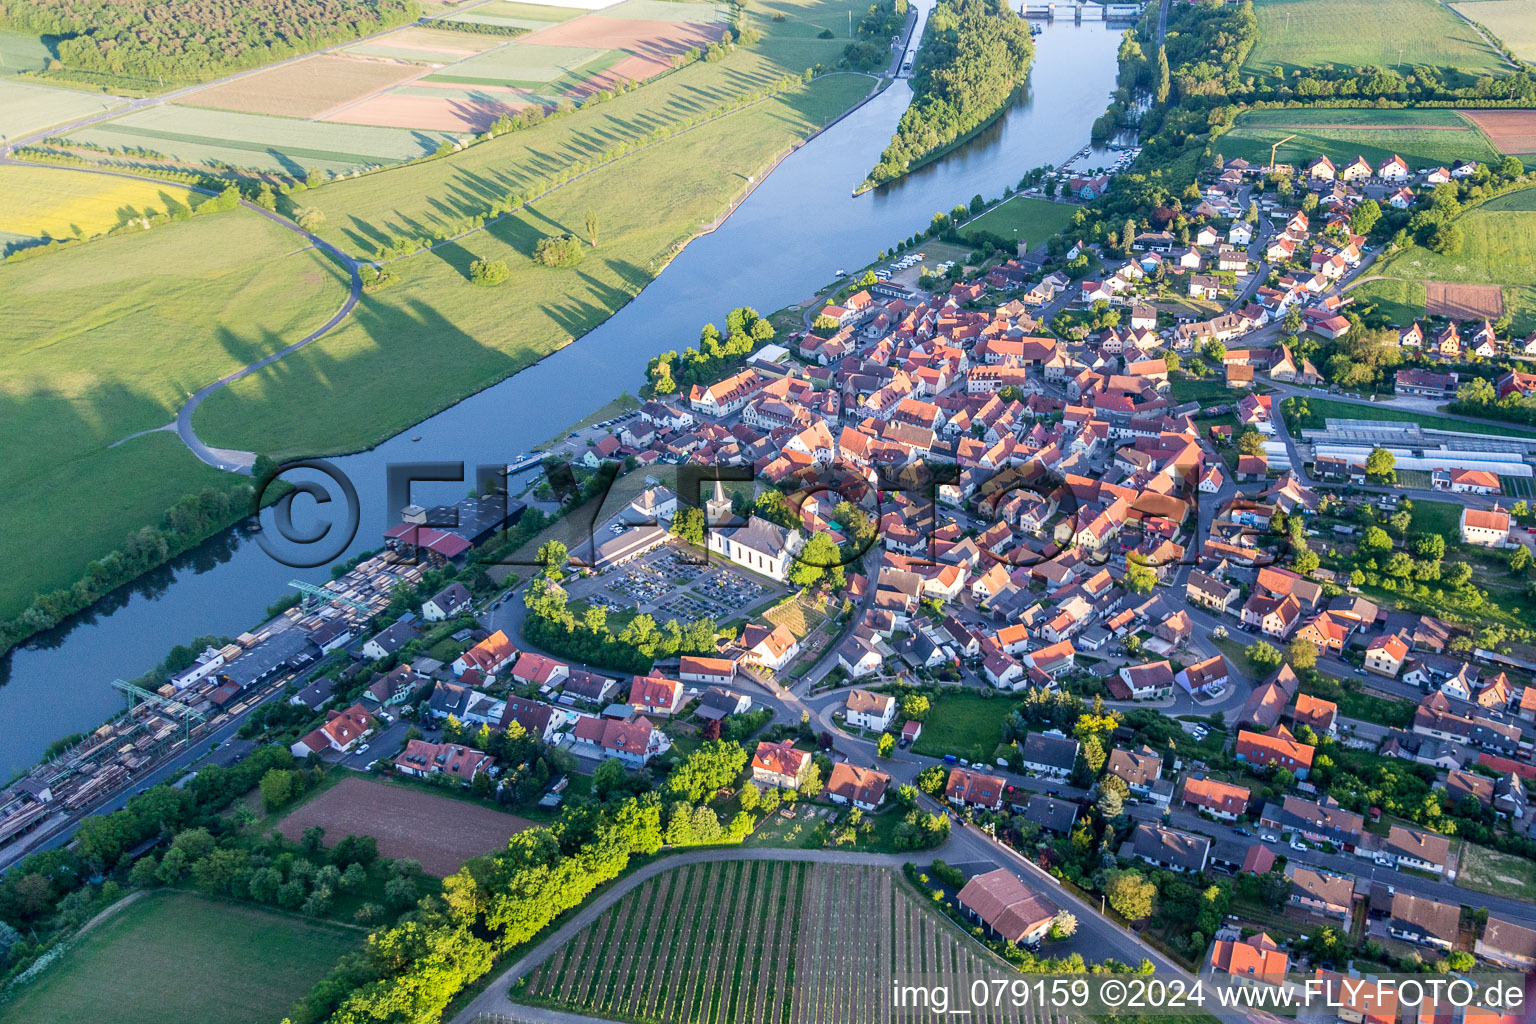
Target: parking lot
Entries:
(670, 582)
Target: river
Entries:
(785, 241)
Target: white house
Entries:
(873, 711)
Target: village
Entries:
(997, 544)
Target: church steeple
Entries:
(717, 510)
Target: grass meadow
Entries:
(1023, 219)
(965, 724)
(1355, 33)
(435, 311)
(20, 51)
(237, 965)
(1499, 248)
(108, 338)
(1512, 21)
(1424, 138)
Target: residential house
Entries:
(446, 603)
(342, 731)
(1322, 716)
(1278, 750)
(656, 694)
(1051, 814)
(1007, 908)
(692, 668)
(771, 647)
(1320, 892)
(537, 718)
(1509, 943)
(1168, 848)
(634, 742)
(487, 657)
(864, 709)
(780, 764)
(973, 789)
(1203, 677)
(1416, 848)
(1222, 800)
(864, 788)
(1049, 753)
(1385, 655)
(1424, 921)
(452, 760)
(1139, 769)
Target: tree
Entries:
(1284, 778)
(1171, 362)
(688, 524)
(1520, 559)
(1139, 579)
(1263, 656)
(1110, 804)
(552, 556)
(824, 324)
(1301, 654)
(1307, 561)
(1130, 894)
(819, 558)
(1457, 574)
(1164, 78)
(915, 707)
(276, 789)
(1063, 925)
(749, 797)
(1250, 442)
(1381, 464)
(489, 272)
(1460, 960)
(558, 251)
(1375, 541)
(812, 785)
(885, 744)
(1365, 217)
(310, 219)
(592, 226)
(932, 780)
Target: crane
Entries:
(314, 595)
(175, 707)
(1275, 148)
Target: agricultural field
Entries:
(27, 108)
(1355, 33)
(1513, 22)
(436, 196)
(56, 202)
(1023, 219)
(425, 45)
(437, 831)
(250, 965)
(1321, 409)
(1499, 249)
(1510, 131)
(753, 942)
(1424, 138)
(286, 145)
(306, 88)
(354, 371)
(22, 52)
(512, 14)
(213, 293)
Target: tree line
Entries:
(190, 41)
(975, 54)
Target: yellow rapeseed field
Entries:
(52, 202)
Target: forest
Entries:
(975, 55)
(189, 41)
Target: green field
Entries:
(1356, 33)
(1499, 248)
(1321, 409)
(26, 108)
(1424, 138)
(523, 65)
(1513, 22)
(108, 338)
(237, 964)
(281, 144)
(22, 52)
(760, 942)
(1023, 219)
(965, 724)
(666, 10)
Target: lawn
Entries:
(20, 51)
(1023, 219)
(55, 202)
(757, 942)
(1208, 391)
(1321, 409)
(1513, 22)
(965, 724)
(354, 372)
(1424, 138)
(108, 338)
(1354, 33)
(1503, 874)
(1442, 517)
(176, 958)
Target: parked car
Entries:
(1268, 838)
(1242, 832)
